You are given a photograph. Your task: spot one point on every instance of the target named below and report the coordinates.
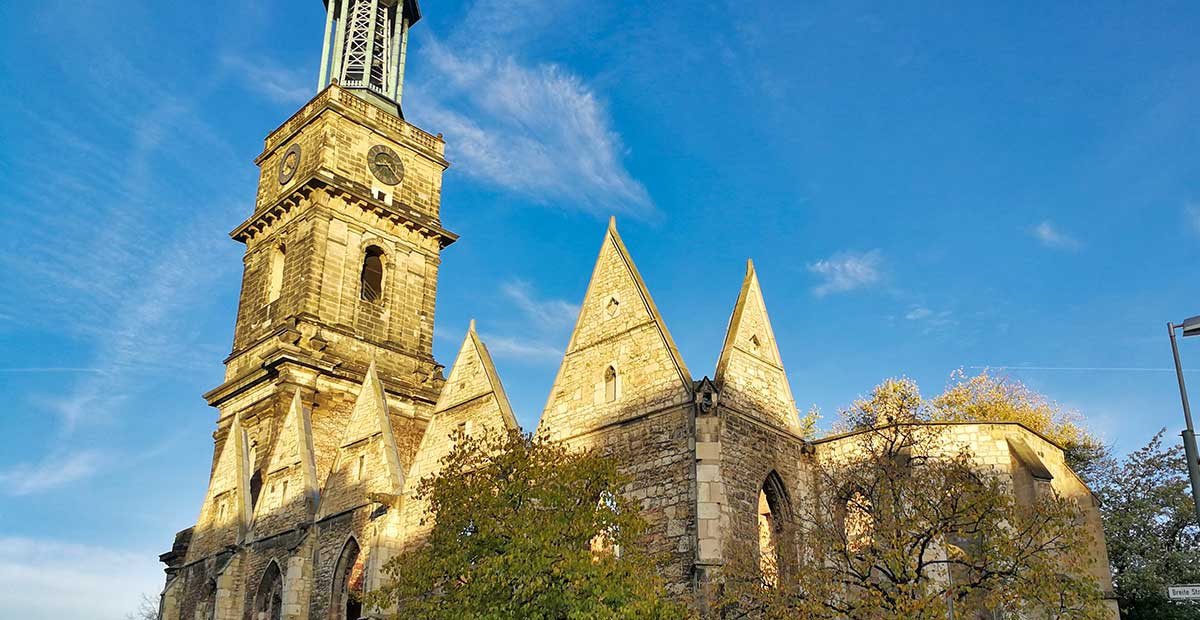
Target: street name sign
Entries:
(1190, 592)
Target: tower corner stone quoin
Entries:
(333, 408)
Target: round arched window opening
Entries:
(372, 274)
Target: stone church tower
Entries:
(333, 406)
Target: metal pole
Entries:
(1189, 434)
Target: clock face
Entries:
(289, 164)
(385, 165)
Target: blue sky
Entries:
(921, 188)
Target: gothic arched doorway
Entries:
(348, 581)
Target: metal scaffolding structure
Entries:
(366, 44)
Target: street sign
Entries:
(1189, 592)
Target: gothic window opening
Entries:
(612, 308)
(610, 384)
(362, 464)
(754, 343)
(268, 601)
(605, 541)
(858, 523)
(275, 287)
(256, 480)
(772, 519)
(372, 274)
(349, 579)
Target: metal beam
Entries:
(369, 63)
(403, 57)
(323, 80)
(339, 63)
(397, 33)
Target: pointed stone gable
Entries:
(621, 361)
(289, 492)
(225, 515)
(473, 400)
(367, 461)
(750, 372)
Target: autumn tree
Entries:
(981, 398)
(1150, 524)
(986, 397)
(525, 528)
(902, 523)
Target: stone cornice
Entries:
(269, 369)
(354, 194)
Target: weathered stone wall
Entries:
(750, 451)
(996, 448)
(335, 131)
(655, 452)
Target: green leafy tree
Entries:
(525, 528)
(1150, 526)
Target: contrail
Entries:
(1081, 368)
(33, 370)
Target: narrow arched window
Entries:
(372, 274)
(349, 578)
(275, 286)
(268, 601)
(859, 522)
(610, 384)
(773, 517)
(768, 560)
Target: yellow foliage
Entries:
(985, 397)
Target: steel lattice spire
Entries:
(365, 47)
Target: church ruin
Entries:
(333, 406)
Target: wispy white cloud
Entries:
(1191, 214)
(521, 349)
(918, 313)
(141, 259)
(50, 579)
(271, 80)
(548, 313)
(49, 370)
(847, 271)
(53, 471)
(930, 319)
(530, 128)
(1049, 235)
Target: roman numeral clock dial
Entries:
(385, 165)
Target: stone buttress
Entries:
(751, 462)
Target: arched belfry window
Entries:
(275, 286)
(372, 274)
(349, 577)
(610, 384)
(773, 511)
(268, 601)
